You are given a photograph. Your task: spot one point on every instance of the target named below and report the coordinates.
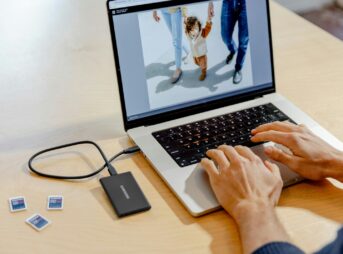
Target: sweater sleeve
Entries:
(278, 248)
(336, 247)
(206, 30)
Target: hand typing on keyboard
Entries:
(310, 156)
(248, 188)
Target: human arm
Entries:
(207, 29)
(248, 189)
(311, 157)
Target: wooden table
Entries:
(58, 85)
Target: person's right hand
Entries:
(312, 158)
(210, 10)
(155, 16)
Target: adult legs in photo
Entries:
(234, 11)
(168, 20)
(174, 24)
(228, 22)
(243, 36)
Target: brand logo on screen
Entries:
(121, 11)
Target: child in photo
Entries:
(197, 35)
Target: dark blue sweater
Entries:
(336, 247)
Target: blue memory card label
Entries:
(38, 222)
(17, 204)
(55, 202)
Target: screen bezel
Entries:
(191, 110)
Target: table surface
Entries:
(58, 85)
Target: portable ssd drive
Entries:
(125, 194)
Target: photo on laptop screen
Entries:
(176, 54)
(197, 39)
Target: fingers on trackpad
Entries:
(284, 149)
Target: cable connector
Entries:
(130, 150)
(133, 149)
(111, 169)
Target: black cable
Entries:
(107, 164)
(130, 150)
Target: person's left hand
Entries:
(210, 10)
(155, 16)
(241, 181)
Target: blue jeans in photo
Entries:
(234, 11)
(174, 23)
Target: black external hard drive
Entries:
(125, 194)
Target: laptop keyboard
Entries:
(187, 144)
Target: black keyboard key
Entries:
(273, 118)
(241, 140)
(206, 135)
(232, 134)
(180, 142)
(233, 142)
(174, 152)
(193, 160)
(189, 139)
(240, 126)
(232, 128)
(184, 163)
(281, 116)
(167, 147)
(223, 137)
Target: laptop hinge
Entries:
(254, 98)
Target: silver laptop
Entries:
(193, 75)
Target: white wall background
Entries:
(305, 5)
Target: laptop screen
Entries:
(173, 55)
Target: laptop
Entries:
(193, 75)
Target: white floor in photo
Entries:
(160, 62)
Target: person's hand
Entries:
(155, 16)
(248, 189)
(210, 10)
(312, 158)
(241, 181)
